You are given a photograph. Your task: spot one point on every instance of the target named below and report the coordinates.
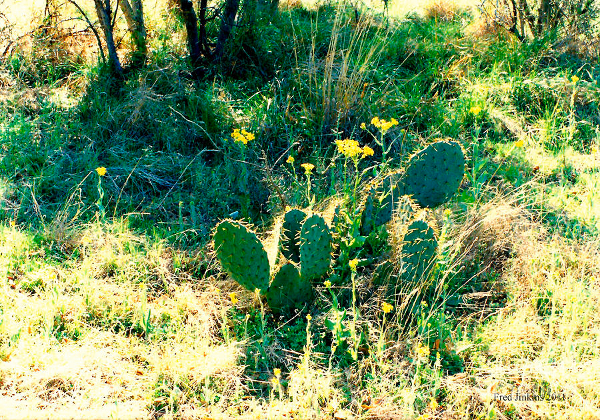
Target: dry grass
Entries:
(444, 10)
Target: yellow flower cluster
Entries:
(353, 264)
(383, 125)
(423, 351)
(234, 298)
(290, 159)
(308, 167)
(475, 110)
(242, 136)
(387, 308)
(101, 171)
(327, 284)
(350, 149)
(574, 79)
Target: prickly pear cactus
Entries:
(418, 252)
(435, 173)
(242, 255)
(315, 248)
(289, 290)
(290, 234)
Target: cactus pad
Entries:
(290, 234)
(242, 255)
(435, 173)
(288, 290)
(315, 248)
(418, 252)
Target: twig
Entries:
(92, 28)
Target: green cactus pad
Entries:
(435, 173)
(315, 248)
(290, 234)
(242, 255)
(288, 290)
(418, 253)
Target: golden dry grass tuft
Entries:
(444, 10)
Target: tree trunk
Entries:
(103, 10)
(191, 27)
(229, 14)
(134, 15)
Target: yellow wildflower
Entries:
(475, 110)
(308, 167)
(447, 212)
(234, 298)
(386, 308)
(574, 79)
(101, 170)
(363, 126)
(353, 264)
(242, 136)
(277, 372)
(275, 381)
(12, 223)
(290, 159)
(308, 317)
(433, 404)
(327, 284)
(367, 151)
(384, 125)
(349, 148)
(423, 351)
(520, 143)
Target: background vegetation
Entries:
(112, 303)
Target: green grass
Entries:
(113, 304)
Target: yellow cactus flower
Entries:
(290, 159)
(308, 167)
(101, 170)
(353, 264)
(574, 79)
(367, 151)
(520, 143)
(234, 298)
(386, 308)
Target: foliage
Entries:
(415, 196)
